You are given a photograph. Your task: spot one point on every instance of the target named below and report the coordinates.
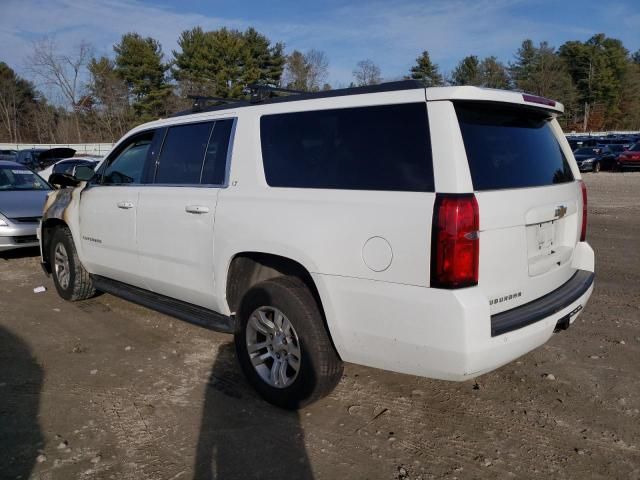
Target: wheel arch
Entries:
(249, 268)
(46, 233)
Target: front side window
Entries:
(383, 147)
(128, 165)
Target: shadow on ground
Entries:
(243, 437)
(20, 253)
(20, 384)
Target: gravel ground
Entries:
(105, 389)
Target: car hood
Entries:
(28, 203)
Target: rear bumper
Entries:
(444, 334)
(18, 236)
(629, 164)
(544, 307)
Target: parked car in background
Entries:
(40, 158)
(9, 155)
(67, 166)
(594, 159)
(579, 142)
(22, 197)
(630, 158)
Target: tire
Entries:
(72, 281)
(596, 167)
(306, 344)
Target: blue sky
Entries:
(392, 33)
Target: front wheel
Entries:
(72, 281)
(283, 346)
(596, 167)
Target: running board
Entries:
(169, 306)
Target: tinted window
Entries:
(586, 151)
(370, 148)
(183, 153)
(510, 147)
(128, 164)
(215, 159)
(67, 167)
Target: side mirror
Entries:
(62, 180)
(83, 173)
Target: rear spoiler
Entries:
(493, 95)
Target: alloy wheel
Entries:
(273, 347)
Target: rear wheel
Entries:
(72, 281)
(282, 344)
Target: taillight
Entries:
(535, 99)
(583, 230)
(455, 246)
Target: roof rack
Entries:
(261, 92)
(200, 101)
(268, 94)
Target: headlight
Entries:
(588, 160)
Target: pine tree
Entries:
(467, 72)
(223, 62)
(139, 63)
(493, 74)
(426, 71)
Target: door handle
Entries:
(197, 209)
(125, 205)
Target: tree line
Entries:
(99, 98)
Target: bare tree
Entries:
(307, 71)
(63, 72)
(109, 104)
(367, 73)
(8, 110)
(318, 64)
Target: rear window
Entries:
(510, 147)
(367, 148)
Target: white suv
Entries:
(437, 232)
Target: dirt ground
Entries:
(104, 389)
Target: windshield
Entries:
(586, 151)
(20, 178)
(616, 148)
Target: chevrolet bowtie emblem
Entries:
(561, 211)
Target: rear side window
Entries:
(215, 158)
(195, 154)
(182, 154)
(510, 147)
(368, 148)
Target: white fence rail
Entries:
(80, 148)
(601, 134)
